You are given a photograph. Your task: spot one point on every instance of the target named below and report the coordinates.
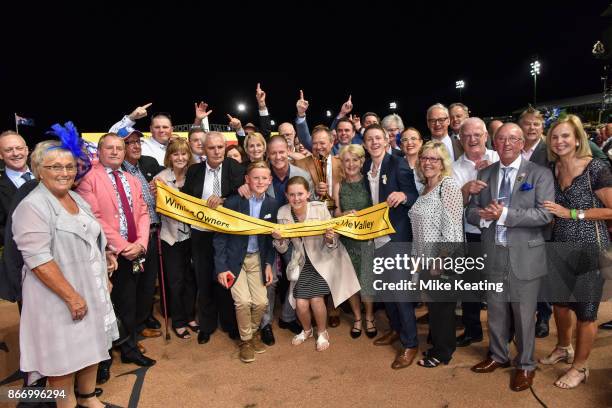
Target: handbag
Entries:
(605, 255)
(296, 263)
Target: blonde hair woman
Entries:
(176, 244)
(255, 147)
(351, 194)
(583, 202)
(437, 219)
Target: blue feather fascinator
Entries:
(71, 141)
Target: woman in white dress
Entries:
(437, 228)
(67, 321)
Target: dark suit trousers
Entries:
(214, 301)
(403, 321)
(181, 281)
(442, 329)
(470, 316)
(146, 285)
(124, 294)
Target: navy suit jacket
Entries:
(399, 177)
(231, 249)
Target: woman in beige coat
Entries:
(319, 265)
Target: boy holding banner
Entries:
(243, 263)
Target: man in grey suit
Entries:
(512, 219)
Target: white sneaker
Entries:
(302, 337)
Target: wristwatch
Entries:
(581, 214)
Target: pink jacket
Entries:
(97, 189)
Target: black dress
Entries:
(310, 283)
(576, 255)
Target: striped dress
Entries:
(309, 284)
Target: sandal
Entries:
(431, 362)
(371, 332)
(302, 337)
(183, 335)
(194, 327)
(323, 341)
(356, 332)
(569, 381)
(559, 354)
(87, 396)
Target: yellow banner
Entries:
(366, 224)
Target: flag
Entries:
(20, 121)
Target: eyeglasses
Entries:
(409, 139)
(512, 140)
(426, 159)
(56, 168)
(437, 120)
(19, 149)
(138, 141)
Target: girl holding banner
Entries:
(319, 264)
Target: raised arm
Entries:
(130, 120)
(265, 124)
(301, 126)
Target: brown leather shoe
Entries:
(387, 339)
(522, 380)
(150, 333)
(488, 366)
(141, 348)
(404, 359)
(333, 321)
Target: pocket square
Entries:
(267, 216)
(526, 187)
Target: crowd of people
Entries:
(84, 245)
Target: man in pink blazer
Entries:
(116, 199)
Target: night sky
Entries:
(92, 64)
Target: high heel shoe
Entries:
(554, 357)
(356, 332)
(371, 332)
(184, 335)
(569, 381)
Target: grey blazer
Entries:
(295, 171)
(526, 221)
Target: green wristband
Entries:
(573, 214)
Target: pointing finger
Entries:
(258, 87)
(147, 105)
(229, 117)
(349, 99)
(301, 94)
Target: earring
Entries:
(577, 144)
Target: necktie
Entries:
(27, 176)
(216, 182)
(505, 196)
(127, 210)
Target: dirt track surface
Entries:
(352, 373)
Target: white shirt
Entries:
(15, 176)
(464, 170)
(374, 191)
(527, 153)
(207, 189)
(151, 147)
(448, 142)
(515, 165)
